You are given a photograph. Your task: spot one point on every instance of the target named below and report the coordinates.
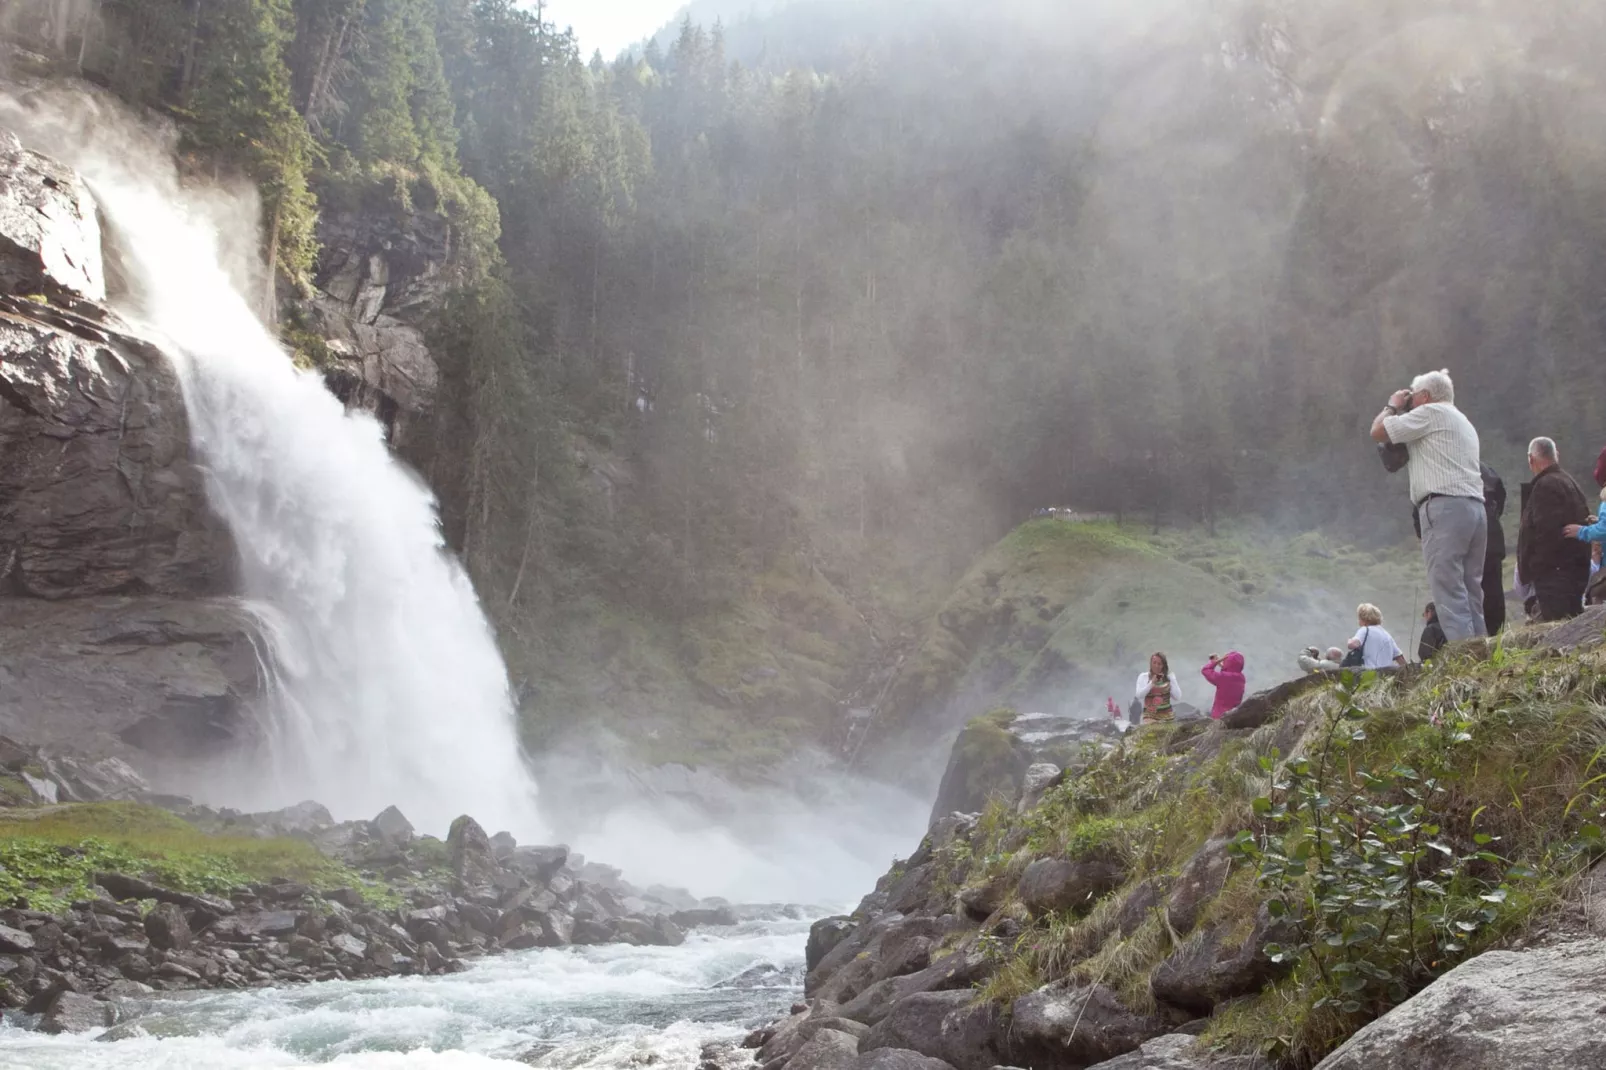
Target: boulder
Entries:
(49, 236)
(710, 917)
(167, 928)
(1053, 885)
(245, 926)
(1063, 1024)
(1200, 881)
(1139, 903)
(1181, 1052)
(1258, 708)
(952, 1026)
(73, 1012)
(1211, 967)
(392, 826)
(1503, 1010)
(473, 861)
(827, 1049)
(1039, 777)
(540, 864)
(987, 762)
(123, 887)
(15, 941)
(302, 819)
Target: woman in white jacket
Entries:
(1157, 691)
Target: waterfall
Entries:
(390, 688)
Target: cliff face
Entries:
(112, 636)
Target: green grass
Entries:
(50, 855)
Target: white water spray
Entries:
(391, 686)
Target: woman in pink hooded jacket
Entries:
(1227, 675)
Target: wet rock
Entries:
(827, 1049)
(473, 861)
(982, 901)
(49, 236)
(503, 844)
(1200, 881)
(127, 990)
(1035, 783)
(167, 928)
(824, 936)
(1052, 885)
(123, 887)
(72, 1012)
(1079, 1025)
(1503, 1010)
(304, 818)
(1258, 708)
(710, 917)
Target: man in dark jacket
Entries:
(1558, 567)
(1494, 558)
(1433, 633)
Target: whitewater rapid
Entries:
(389, 685)
(610, 1007)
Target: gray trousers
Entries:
(1455, 533)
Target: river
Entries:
(606, 1007)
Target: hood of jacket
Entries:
(1233, 662)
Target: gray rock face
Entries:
(393, 826)
(1050, 885)
(824, 936)
(98, 494)
(49, 238)
(126, 676)
(951, 1026)
(1504, 1010)
(897, 1059)
(70, 1012)
(379, 278)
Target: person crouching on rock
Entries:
(1226, 674)
(1432, 633)
(1313, 661)
(1157, 690)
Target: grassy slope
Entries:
(49, 855)
(1515, 741)
(1061, 614)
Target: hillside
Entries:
(1060, 616)
(1260, 889)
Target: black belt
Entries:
(1465, 497)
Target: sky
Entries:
(610, 25)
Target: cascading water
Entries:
(391, 689)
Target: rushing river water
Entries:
(613, 1007)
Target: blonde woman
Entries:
(1377, 647)
(1157, 690)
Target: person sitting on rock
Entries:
(1226, 674)
(1158, 691)
(1378, 648)
(1312, 660)
(1432, 634)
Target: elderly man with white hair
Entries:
(1555, 563)
(1447, 490)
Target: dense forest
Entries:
(867, 282)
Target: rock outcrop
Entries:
(1504, 1010)
(110, 640)
(381, 273)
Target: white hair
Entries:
(1544, 449)
(1437, 385)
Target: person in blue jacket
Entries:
(1595, 532)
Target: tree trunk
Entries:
(188, 79)
(270, 303)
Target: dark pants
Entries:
(1561, 592)
(1494, 594)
